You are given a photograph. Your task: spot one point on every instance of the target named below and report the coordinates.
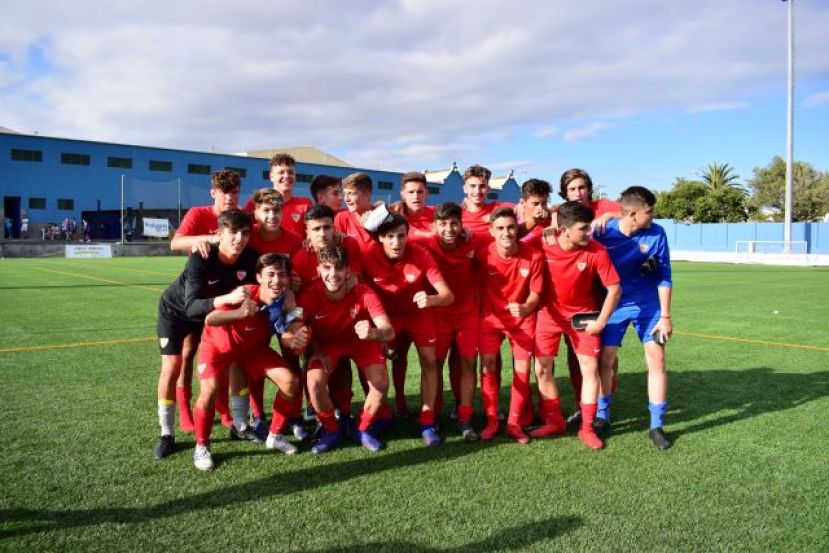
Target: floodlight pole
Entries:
(178, 223)
(787, 213)
(122, 209)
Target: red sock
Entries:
(204, 425)
(398, 374)
(489, 394)
(550, 410)
(427, 417)
(519, 396)
(281, 408)
(183, 397)
(329, 423)
(588, 415)
(366, 419)
(464, 413)
(257, 397)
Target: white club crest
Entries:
(470, 254)
(202, 367)
(241, 274)
(353, 311)
(581, 265)
(644, 248)
(295, 217)
(410, 277)
(163, 342)
(525, 272)
(486, 218)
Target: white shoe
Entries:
(202, 458)
(278, 441)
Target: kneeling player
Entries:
(241, 335)
(345, 324)
(639, 251)
(574, 263)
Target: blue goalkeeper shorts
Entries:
(644, 319)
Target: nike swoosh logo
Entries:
(493, 273)
(249, 329)
(431, 341)
(212, 282)
(320, 316)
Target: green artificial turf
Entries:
(749, 469)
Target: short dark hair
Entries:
(569, 176)
(358, 181)
(336, 255)
(570, 213)
(393, 221)
(319, 212)
(477, 171)
(269, 196)
(635, 196)
(278, 260)
(282, 159)
(448, 210)
(502, 211)
(412, 176)
(234, 219)
(535, 187)
(321, 183)
(225, 180)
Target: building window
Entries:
(241, 171)
(302, 177)
(37, 203)
(66, 205)
(433, 189)
(492, 196)
(27, 155)
(266, 174)
(120, 162)
(385, 185)
(156, 165)
(198, 169)
(74, 159)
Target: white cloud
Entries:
(586, 131)
(396, 85)
(718, 106)
(817, 100)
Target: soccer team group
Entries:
(359, 286)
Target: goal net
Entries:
(154, 205)
(774, 247)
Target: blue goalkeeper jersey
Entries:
(642, 261)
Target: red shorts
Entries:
(420, 325)
(460, 328)
(520, 337)
(364, 353)
(255, 362)
(548, 330)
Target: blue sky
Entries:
(635, 91)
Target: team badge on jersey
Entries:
(202, 368)
(410, 277)
(486, 218)
(353, 311)
(241, 274)
(163, 342)
(581, 265)
(644, 247)
(470, 254)
(295, 217)
(525, 272)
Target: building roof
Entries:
(438, 176)
(7, 130)
(497, 183)
(303, 154)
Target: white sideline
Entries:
(793, 259)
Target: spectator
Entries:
(73, 228)
(85, 228)
(7, 228)
(24, 227)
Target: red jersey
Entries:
(397, 283)
(571, 277)
(349, 224)
(304, 262)
(293, 214)
(602, 206)
(478, 221)
(239, 336)
(333, 321)
(198, 221)
(421, 221)
(508, 280)
(458, 268)
(287, 243)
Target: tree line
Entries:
(717, 196)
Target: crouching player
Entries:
(573, 263)
(511, 287)
(639, 251)
(240, 334)
(346, 324)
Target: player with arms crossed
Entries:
(205, 283)
(573, 264)
(345, 324)
(239, 333)
(403, 275)
(511, 286)
(639, 251)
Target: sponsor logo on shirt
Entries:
(581, 265)
(241, 274)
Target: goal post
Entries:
(775, 247)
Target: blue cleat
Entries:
(261, 427)
(329, 441)
(369, 442)
(430, 436)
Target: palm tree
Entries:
(719, 176)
